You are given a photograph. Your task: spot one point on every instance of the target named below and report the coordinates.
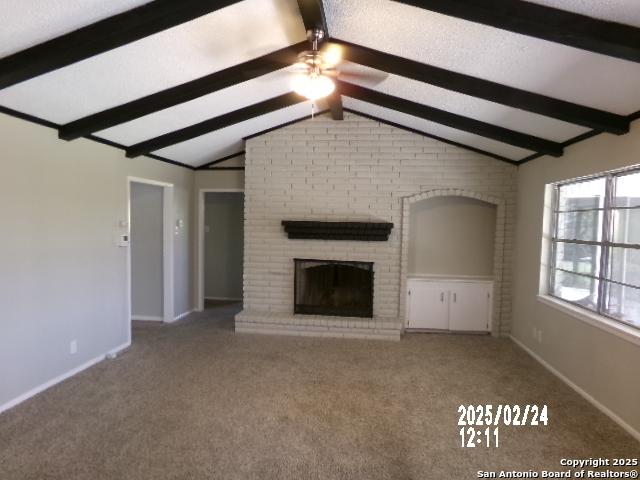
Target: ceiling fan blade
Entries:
(368, 77)
(289, 70)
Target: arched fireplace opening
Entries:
(333, 287)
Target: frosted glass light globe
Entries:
(313, 87)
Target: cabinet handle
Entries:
(442, 296)
(454, 298)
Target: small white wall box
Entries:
(123, 240)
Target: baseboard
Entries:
(628, 428)
(113, 353)
(182, 315)
(51, 383)
(147, 318)
(226, 299)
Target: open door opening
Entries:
(222, 247)
(150, 251)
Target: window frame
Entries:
(606, 243)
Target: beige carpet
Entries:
(194, 400)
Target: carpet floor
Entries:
(194, 400)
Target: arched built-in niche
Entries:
(452, 236)
(497, 269)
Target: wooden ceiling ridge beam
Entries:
(459, 122)
(102, 36)
(547, 23)
(313, 17)
(485, 89)
(182, 93)
(435, 137)
(213, 124)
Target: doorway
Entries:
(150, 255)
(221, 246)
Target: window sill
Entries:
(629, 334)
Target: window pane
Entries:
(588, 194)
(623, 303)
(627, 190)
(626, 226)
(580, 225)
(576, 289)
(624, 265)
(577, 258)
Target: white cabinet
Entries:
(428, 306)
(470, 307)
(455, 305)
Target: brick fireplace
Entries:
(356, 170)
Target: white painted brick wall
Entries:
(357, 169)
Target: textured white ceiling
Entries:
(254, 27)
(200, 109)
(498, 55)
(228, 140)
(213, 42)
(621, 11)
(466, 105)
(26, 23)
(468, 139)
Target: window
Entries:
(595, 254)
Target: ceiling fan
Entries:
(315, 71)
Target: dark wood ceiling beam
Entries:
(207, 165)
(223, 169)
(335, 105)
(485, 89)
(465, 84)
(435, 137)
(182, 93)
(46, 123)
(547, 23)
(312, 12)
(102, 36)
(283, 125)
(213, 124)
(452, 120)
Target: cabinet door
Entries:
(428, 306)
(470, 307)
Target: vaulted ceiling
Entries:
(186, 81)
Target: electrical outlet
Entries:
(73, 347)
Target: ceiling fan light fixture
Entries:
(332, 55)
(313, 86)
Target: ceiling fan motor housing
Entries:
(313, 58)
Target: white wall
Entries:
(62, 276)
(603, 365)
(223, 245)
(452, 236)
(147, 280)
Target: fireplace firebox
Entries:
(333, 287)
